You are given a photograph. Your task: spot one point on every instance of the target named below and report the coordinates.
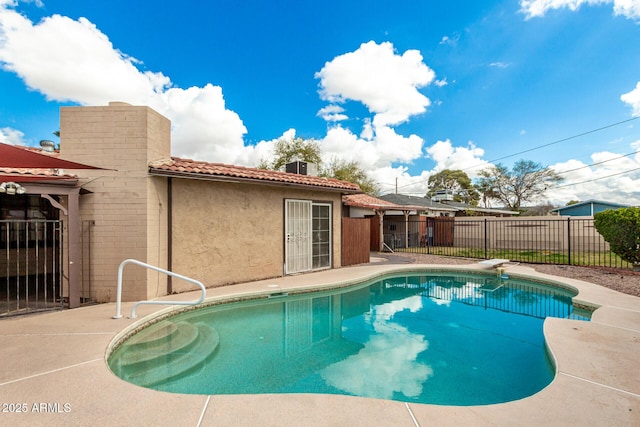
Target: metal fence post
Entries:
(485, 238)
(569, 240)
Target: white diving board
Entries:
(495, 262)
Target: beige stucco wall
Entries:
(128, 206)
(227, 233)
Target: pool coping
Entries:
(56, 362)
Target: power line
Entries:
(546, 145)
(598, 163)
(565, 139)
(595, 179)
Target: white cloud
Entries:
(11, 136)
(385, 82)
(382, 146)
(332, 113)
(451, 41)
(609, 176)
(537, 8)
(633, 99)
(441, 82)
(71, 60)
(468, 159)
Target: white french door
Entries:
(307, 236)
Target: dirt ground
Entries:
(625, 281)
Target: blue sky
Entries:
(407, 89)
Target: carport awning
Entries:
(36, 178)
(12, 156)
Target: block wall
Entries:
(128, 206)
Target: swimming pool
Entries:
(448, 338)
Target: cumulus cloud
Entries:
(536, 8)
(468, 159)
(376, 147)
(633, 99)
(388, 84)
(73, 61)
(11, 136)
(610, 176)
(385, 82)
(332, 113)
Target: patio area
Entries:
(54, 371)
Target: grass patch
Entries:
(589, 259)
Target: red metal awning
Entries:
(12, 156)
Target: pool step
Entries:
(167, 351)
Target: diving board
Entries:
(495, 262)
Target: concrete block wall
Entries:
(125, 203)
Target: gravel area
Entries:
(625, 281)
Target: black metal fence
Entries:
(562, 240)
(30, 266)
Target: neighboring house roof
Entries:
(185, 168)
(448, 206)
(422, 202)
(465, 207)
(369, 202)
(587, 208)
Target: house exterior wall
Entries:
(128, 206)
(222, 232)
(586, 208)
(226, 233)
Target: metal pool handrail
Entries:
(160, 270)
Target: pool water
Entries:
(440, 338)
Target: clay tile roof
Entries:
(198, 169)
(370, 202)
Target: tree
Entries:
(290, 150)
(308, 150)
(352, 172)
(621, 229)
(485, 192)
(458, 182)
(525, 182)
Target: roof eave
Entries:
(240, 180)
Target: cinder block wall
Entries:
(129, 207)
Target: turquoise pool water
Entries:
(440, 338)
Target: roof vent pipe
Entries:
(48, 146)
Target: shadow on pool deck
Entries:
(54, 372)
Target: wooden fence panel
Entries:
(355, 241)
(374, 227)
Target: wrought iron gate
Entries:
(31, 266)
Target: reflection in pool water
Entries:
(443, 338)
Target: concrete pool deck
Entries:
(53, 370)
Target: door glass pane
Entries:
(321, 235)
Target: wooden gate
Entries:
(440, 231)
(355, 241)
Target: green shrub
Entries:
(621, 228)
